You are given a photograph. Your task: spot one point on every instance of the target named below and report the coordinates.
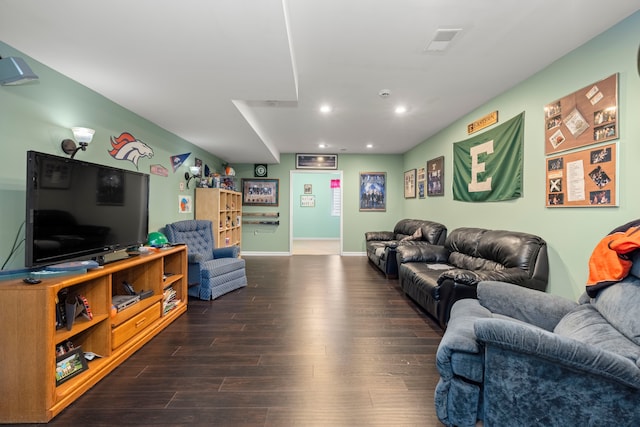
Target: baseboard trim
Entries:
(257, 253)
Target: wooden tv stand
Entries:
(30, 338)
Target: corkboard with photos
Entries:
(587, 116)
(583, 178)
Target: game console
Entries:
(120, 302)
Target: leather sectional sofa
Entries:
(437, 276)
(381, 245)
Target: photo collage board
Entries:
(579, 124)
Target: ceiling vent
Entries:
(442, 39)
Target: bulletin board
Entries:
(583, 178)
(587, 116)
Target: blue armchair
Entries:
(518, 357)
(212, 271)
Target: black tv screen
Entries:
(78, 210)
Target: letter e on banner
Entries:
(477, 167)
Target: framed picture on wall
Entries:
(410, 184)
(435, 177)
(373, 191)
(316, 161)
(260, 192)
(307, 201)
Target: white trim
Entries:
(258, 253)
(316, 238)
(353, 254)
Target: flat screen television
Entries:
(77, 210)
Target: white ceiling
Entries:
(244, 79)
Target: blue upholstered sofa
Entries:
(381, 245)
(212, 272)
(518, 357)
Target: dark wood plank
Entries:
(312, 340)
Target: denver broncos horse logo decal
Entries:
(127, 147)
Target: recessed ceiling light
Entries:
(369, 145)
(401, 109)
(323, 145)
(325, 108)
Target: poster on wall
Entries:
(373, 191)
(185, 205)
(435, 177)
(410, 184)
(583, 178)
(585, 117)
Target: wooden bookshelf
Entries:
(224, 209)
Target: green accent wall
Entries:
(38, 116)
(571, 233)
(314, 222)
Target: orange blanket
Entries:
(609, 262)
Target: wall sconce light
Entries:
(195, 174)
(82, 135)
(14, 71)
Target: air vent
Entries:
(442, 39)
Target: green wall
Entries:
(263, 239)
(39, 115)
(314, 222)
(571, 233)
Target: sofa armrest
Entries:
(226, 252)
(459, 337)
(196, 258)
(472, 277)
(530, 306)
(379, 235)
(422, 253)
(558, 350)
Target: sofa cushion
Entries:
(619, 304)
(587, 325)
(422, 275)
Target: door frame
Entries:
(291, 201)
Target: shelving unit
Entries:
(266, 218)
(224, 209)
(29, 390)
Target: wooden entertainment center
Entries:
(31, 390)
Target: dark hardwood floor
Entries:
(312, 341)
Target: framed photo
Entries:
(435, 177)
(410, 184)
(308, 201)
(373, 191)
(185, 204)
(70, 364)
(316, 161)
(260, 192)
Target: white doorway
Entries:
(316, 212)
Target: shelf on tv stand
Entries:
(29, 390)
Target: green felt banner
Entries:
(489, 166)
